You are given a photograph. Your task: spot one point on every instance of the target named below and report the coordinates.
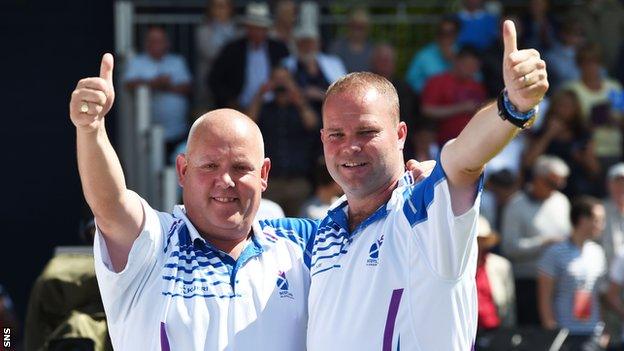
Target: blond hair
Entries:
(358, 83)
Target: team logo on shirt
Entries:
(373, 253)
(282, 284)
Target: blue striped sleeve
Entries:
(298, 230)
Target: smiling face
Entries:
(223, 174)
(362, 141)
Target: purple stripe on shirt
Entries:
(164, 341)
(391, 319)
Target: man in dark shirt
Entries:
(288, 124)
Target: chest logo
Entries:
(282, 285)
(373, 253)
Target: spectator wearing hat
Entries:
(311, 69)
(571, 273)
(495, 286)
(245, 64)
(355, 49)
(535, 218)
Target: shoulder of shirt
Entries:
(297, 230)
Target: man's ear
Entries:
(181, 166)
(401, 134)
(264, 173)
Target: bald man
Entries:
(207, 276)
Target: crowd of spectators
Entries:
(552, 228)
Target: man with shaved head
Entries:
(208, 276)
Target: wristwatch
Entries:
(507, 111)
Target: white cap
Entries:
(616, 171)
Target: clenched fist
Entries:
(524, 72)
(93, 97)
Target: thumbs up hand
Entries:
(93, 97)
(524, 72)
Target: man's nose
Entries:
(224, 180)
(352, 146)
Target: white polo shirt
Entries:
(404, 279)
(177, 292)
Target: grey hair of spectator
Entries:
(547, 164)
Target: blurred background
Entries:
(175, 60)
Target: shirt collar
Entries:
(338, 212)
(257, 238)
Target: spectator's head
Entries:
(384, 60)
(223, 174)
(285, 13)
(550, 173)
(156, 42)
(467, 62)
(473, 5)
(588, 217)
(447, 31)
(219, 10)
(503, 184)
(362, 136)
(257, 21)
(615, 184)
(539, 8)
(589, 60)
(566, 107)
(307, 39)
(572, 33)
(358, 25)
(487, 238)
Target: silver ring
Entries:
(524, 79)
(84, 108)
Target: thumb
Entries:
(509, 37)
(106, 68)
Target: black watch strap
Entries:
(507, 111)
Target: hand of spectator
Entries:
(524, 72)
(266, 87)
(420, 170)
(93, 97)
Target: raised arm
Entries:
(118, 211)
(487, 134)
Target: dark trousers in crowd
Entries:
(526, 302)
